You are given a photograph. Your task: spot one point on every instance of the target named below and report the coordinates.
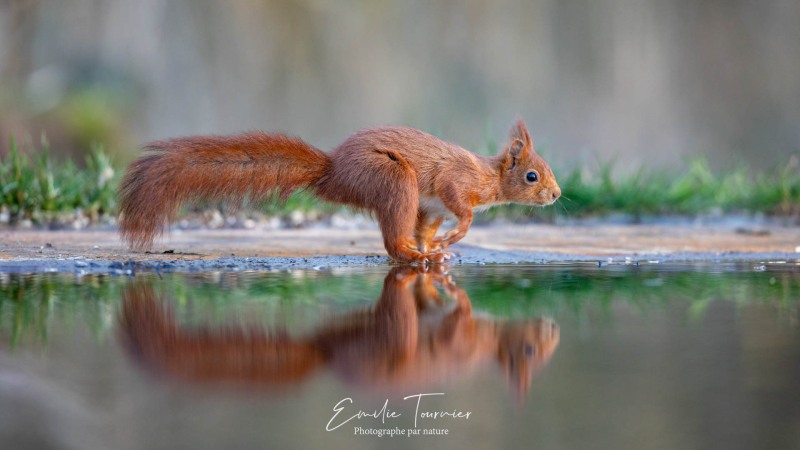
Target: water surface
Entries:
(576, 356)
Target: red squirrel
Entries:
(410, 180)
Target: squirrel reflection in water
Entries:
(411, 338)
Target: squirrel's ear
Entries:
(512, 153)
(516, 147)
(519, 143)
(520, 132)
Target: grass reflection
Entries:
(31, 305)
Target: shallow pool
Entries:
(544, 356)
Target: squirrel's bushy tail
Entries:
(219, 168)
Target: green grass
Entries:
(36, 188)
(699, 191)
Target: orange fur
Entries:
(409, 179)
(222, 168)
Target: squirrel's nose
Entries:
(556, 193)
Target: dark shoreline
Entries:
(466, 256)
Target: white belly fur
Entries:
(434, 207)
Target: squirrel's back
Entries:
(377, 158)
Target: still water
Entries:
(545, 356)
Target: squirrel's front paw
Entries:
(439, 256)
(451, 237)
(435, 257)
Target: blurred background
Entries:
(638, 82)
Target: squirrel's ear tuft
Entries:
(520, 131)
(519, 140)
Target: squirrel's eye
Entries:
(529, 350)
(532, 177)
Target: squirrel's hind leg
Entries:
(426, 230)
(397, 227)
(395, 205)
(427, 242)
